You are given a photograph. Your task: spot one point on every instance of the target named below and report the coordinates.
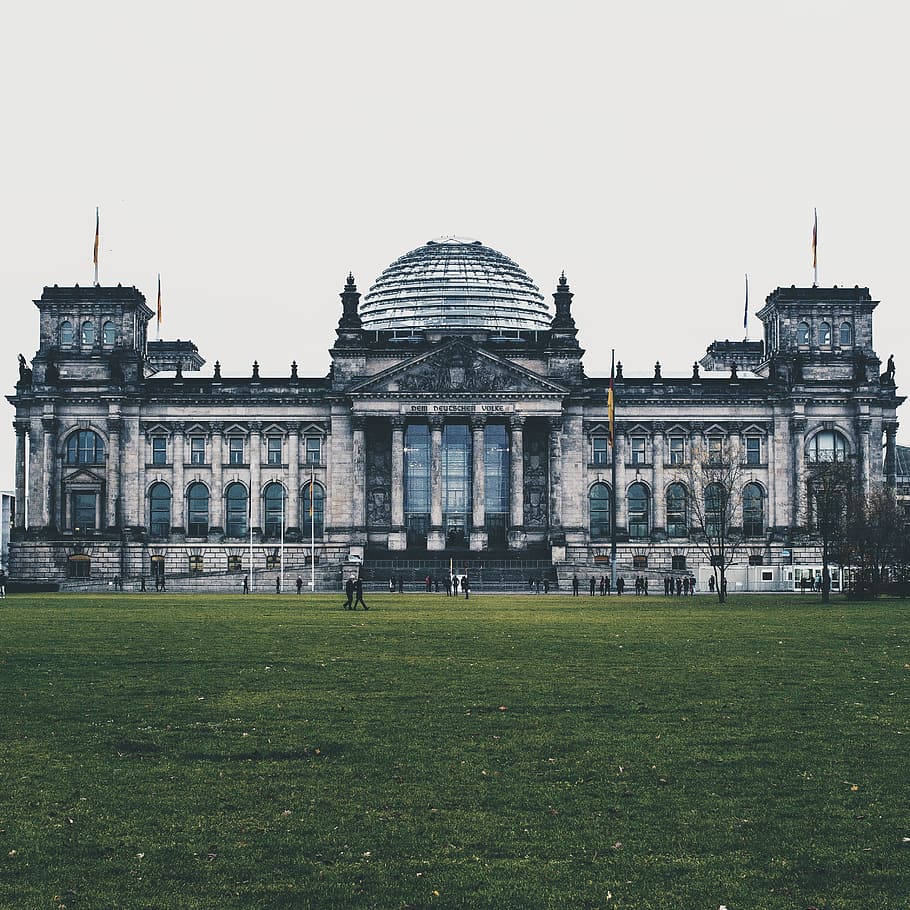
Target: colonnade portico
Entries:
(477, 537)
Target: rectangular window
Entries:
(273, 560)
(235, 563)
(600, 449)
(756, 559)
(715, 449)
(639, 562)
(767, 575)
(274, 449)
(679, 563)
(197, 450)
(313, 450)
(235, 450)
(84, 511)
(677, 450)
(196, 564)
(753, 450)
(638, 450)
(159, 450)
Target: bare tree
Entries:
(830, 480)
(875, 543)
(714, 482)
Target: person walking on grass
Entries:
(349, 593)
(2, 585)
(299, 584)
(358, 587)
(278, 585)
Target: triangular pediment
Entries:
(457, 368)
(84, 475)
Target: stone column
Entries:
(436, 539)
(397, 533)
(863, 426)
(256, 476)
(216, 499)
(799, 512)
(293, 505)
(517, 538)
(891, 454)
(478, 539)
(771, 517)
(555, 517)
(21, 477)
(178, 494)
(48, 447)
(359, 477)
(113, 517)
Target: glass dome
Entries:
(454, 283)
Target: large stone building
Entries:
(456, 423)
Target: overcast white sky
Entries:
(255, 154)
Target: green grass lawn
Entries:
(278, 752)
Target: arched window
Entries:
(677, 511)
(716, 502)
(753, 510)
(824, 333)
(159, 510)
(828, 445)
(88, 334)
(846, 334)
(599, 511)
(85, 447)
(66, 333)
(639, 505)
(109, 334)
(236, 499)
(313, 523)
(802, 334)
(197, 498)
(274, 509)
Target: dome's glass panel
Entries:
(454, 283)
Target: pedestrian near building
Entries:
(575, 586)
(592, 586)
(278, 584)
(2, 585)
(348, 593)
(464, 585)
(246, 584)
(358, 587)
(299, 584)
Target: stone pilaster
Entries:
(436, 538)
(555, 450)
(216, 495)
(517, 537)
(863, 429)
(798, 505)
(113, 518)
(178, 494)
(658, 459)
(478, 539)
(293, 504)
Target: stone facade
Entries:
(482, 443)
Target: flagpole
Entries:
(97, 240)
(815, 249)
(249, 521)
(313, 530)
(746, 312)
(281, 584)
(158, 320)
(611, 404)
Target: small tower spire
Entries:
(350, 326)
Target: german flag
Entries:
(97, 239)
(159, 297)
(815, 241)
